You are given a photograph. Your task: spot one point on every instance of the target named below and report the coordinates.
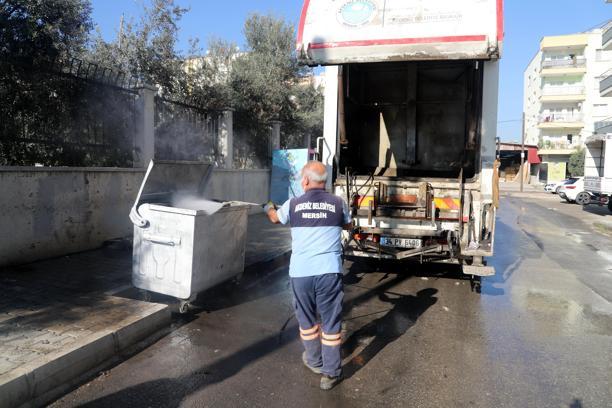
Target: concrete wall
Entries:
(48, 212)
(240, 185)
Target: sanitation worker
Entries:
(317, 219)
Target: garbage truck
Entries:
(411, 90)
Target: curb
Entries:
(51, 376)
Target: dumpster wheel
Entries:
(145, 295)
(184, 306)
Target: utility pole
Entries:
(523, 153)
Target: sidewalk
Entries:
(61, 320)
(515, 187)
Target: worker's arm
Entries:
(273, 216)
(280, 216)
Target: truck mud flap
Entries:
(478, 270)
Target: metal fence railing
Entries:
(578, 62)
(72, 114)
(185, 132)
(563, 90)
(561, 117)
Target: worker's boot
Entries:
(327, 382)
(316, 370)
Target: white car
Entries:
(555, 186)
(573, 192)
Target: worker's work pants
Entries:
(320, 295)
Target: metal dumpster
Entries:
(184, 244)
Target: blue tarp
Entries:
(286, 167)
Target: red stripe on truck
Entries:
(300, 33)
(500, 20)
(400, 41)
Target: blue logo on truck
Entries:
(357, 12)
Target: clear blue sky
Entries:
(527, 21)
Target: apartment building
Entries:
(562, 96)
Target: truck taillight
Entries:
(570, 187)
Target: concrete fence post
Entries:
(307, 140)
(275, 136)
(144, 143)
(226, 139)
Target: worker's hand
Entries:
(269, 206)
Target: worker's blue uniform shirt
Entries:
(316, 219)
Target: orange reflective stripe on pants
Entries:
(310, 334)
(313, 330)
(331, 340)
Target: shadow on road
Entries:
(388, 328)
(170, 392)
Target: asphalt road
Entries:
(539, 334)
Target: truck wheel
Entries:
(583, 198)
(610, 204)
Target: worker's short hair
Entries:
(312, 175)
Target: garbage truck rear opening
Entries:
(410, 123)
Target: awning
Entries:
(532, 156)
(347, 31)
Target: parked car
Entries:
(554, 187)
(573, 192)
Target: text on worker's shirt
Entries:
(315, 206)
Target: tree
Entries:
(35, 33)
(35, 36)
(147, 49)
(576, 163)
(266, 85)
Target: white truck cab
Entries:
(410, 122)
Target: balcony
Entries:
(566, 66)
(561, 121)
(563, 42)
(604, 126)
(606, 38)
(557, 148)
(572, 93)
(605, 86)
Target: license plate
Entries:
(401, 242)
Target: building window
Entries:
(570, 139)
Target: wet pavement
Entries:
(539, 334)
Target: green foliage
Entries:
(47, 118)
(35, 33)
(576, 163)
(147, 49)
(266, 86)
(34, 106)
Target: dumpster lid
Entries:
(335, 32)
(164, 179)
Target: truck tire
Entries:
(610, 204)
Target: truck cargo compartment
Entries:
(411, 119)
